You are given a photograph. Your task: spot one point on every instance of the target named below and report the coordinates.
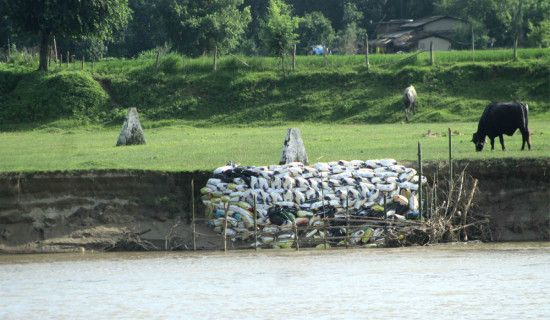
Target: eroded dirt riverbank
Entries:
(96, 210)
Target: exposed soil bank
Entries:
(107, 209)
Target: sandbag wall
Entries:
(322, 197)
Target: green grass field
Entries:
(179, 147)
(197, 119)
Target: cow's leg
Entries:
(526, 137)
(501, 138)
(414, 108)
(406, 114)
(492, 144)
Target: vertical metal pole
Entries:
(255, 226)
(420, 181)
(450, 160)
(193, 217)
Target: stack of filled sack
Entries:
(295, 194)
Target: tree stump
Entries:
(293, 149)
(132, 133)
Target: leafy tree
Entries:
(251, 45)
(314, 29)
(350, 36)
(205, 26)
(278, 30)
(501, 20)
(144, 32)
(66, 18)
(540, 34)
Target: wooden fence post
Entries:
(431, 53)
(325, 54)
(473, 44)
(215, 58)
(367, 50)
(157, 63)
(294, 58)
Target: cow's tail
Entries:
(525, 113)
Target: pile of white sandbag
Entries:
(301, 194)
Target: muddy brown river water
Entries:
(475, 281)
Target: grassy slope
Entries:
(185, 148)
(344, 92)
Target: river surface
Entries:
(475, 281)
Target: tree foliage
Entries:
(196, 27)
(278, 29)
(314, 29)
(499, 20)
(66, 18)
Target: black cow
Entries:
(409, 101)
(502, 118)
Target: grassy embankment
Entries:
(179, 100)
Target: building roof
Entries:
(421, 22)
(396, 21)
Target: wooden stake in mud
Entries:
(193, 217)
(420, 181)
(255, 226)
(347, 223)
(323, 202)
(450, 159)
(385, 219)
(296, 236)
(466, 208)
(225, 227)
